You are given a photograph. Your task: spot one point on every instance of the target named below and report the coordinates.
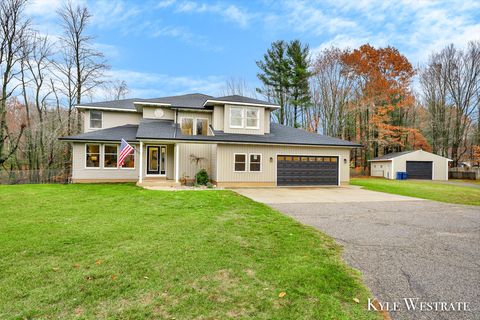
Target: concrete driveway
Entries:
(405, 247)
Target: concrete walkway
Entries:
(319, 195)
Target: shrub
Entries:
(201, 177)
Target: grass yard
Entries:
(121, 252)
(422, 189)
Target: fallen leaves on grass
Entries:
(282, 294)
(356, 300)
(114, 277)
(98, 262)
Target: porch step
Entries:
(158, 183)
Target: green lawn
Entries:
(422, 189)
(121, 252)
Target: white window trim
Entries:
(246, 162)
(195, 125)
(90, 120)
(100, 164)
(257, 110)
(242, 109)
(103, 156)
(261, 158)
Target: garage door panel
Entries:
(307, 170)
(419, 170)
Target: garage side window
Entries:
(95, 119)
(92, 153)
(255, 162)
(240, 164)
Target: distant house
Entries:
(231, 137)
(417, 164)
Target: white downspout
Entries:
(140, 167)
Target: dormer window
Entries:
(243, 117)
(253, 118)
(95, 119)
(236, 117)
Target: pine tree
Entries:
(276, 76)
(298, 59)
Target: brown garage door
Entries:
(295, 170)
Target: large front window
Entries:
(110, 156)
(92, 156)
(95, 119)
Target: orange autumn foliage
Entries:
(383, 99)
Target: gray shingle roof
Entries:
(242, 99)
(128, 132)
(192, 101)
(279, 134)
(157, 129)
(126, 104)
(167, 130)
(392, 155)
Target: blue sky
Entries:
(168, 47)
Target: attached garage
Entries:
(295, 170)
(418, 164)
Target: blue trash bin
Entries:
(399, 176)
(405, 176)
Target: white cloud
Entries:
(152, 85)
(229, 12)
(414, 27)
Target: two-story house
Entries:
(231, 137)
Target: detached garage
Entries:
(417, 164)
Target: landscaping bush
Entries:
(201, 178)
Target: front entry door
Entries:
(156, 156)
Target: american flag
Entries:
(125, 150)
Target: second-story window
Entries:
(186, 126)
(243, 117)
(95, 119)
(236, 117)
(202, 127)
(252, 115)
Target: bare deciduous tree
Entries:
(82, 65)
(12, 36)
(331, 93)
